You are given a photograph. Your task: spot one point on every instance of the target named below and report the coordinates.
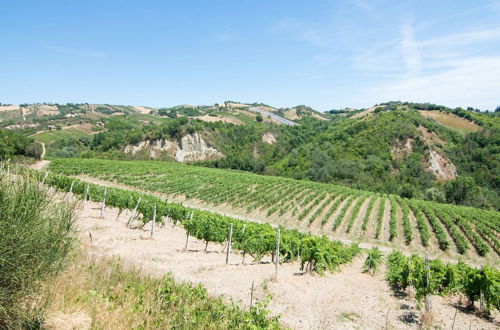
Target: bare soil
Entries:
(365, 240)
(211, 119)
(344, 300)
(451, 120)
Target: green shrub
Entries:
(35, 238)
(373, 260)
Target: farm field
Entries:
(345, 299)
(51, 136)
(199, 258)
(442, 230)
(452, 121)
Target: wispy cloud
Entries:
(463, 39)
(316, 35)
(226, 36)
(442, 70)
(362, 4)
(472, 81)
(78, 52)
(409, 49)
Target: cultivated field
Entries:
(451, 120)
(443, 230)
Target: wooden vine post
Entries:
(251, 295)
(243, 231)
(481, 295)
(132, 216)
(86, 194)
(71, 187)
(229, 242)
(44, 177)
(187, 232)
(277, 254)
(427, 283)
(103, 202)
(154, 221)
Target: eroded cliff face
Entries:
(189, 148)
(441, 166)
(193, 147)
(435, 160)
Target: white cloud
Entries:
(409, 49)
(89, 53)
(444, 70)
(469, 82)
(462, 39)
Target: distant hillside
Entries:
(399, 148)
(414, 150)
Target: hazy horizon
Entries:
(324, 54)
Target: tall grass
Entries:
(35, 239)
(118, 297)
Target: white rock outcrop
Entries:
(189, 148)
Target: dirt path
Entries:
(43, 149)
(344, 300)
(40, 165)
(356, 231)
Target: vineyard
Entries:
(324, 209)
(311, 252)
(316, 254)
(434, 277)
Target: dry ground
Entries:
(451, 120)
(366, 239)
(345, 300)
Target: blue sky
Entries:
(326, 54)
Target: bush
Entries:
(373, 260)
(35, 239)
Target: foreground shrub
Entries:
(35, 239)
(114, 296)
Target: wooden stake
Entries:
(277, 254)
(251, 295)
(243, 231)
(103, 202)
(187, 239)
(427, 282)
(481, 297)
(71, 187)
(132, 216)
(229, 242)
(44, 178)
(85, 196)
(454, 317)
(154, 220)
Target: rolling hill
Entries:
(412, 150)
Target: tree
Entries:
(259, 118)
(458, 191)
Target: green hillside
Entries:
(412, 150)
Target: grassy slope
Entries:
(115, 297)
(452, 121)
